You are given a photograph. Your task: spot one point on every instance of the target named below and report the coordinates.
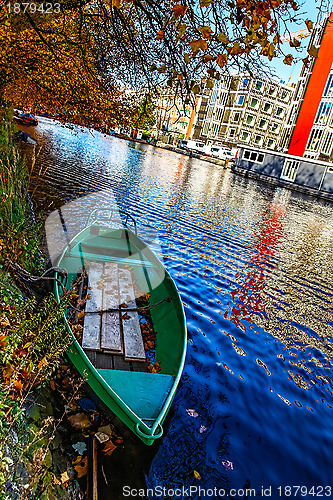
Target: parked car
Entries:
(26, 119)
(196, 146)
(226, 153)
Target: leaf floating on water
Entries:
(197, 475)
(124, 305)
(109, 448)
(125, 316)
(202, 429)
(228, 465)
(192, 413)
(81, 315)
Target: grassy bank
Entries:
(32, 334)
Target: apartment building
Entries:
(244, 111)
(309, 128)
(174, 118)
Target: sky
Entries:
(283, 71)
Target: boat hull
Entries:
(140, 400)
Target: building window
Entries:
(254, 103)
(327, 146)
(235, 118)
(267, 108)
(284, 94)
(258, 140)
(259, 85)
(253, 156)
(313, 142)
(329, 86)
(210, 112)
(279, 112)
(245, 137)
(218, 114)
(275, 127)
(323, 112)
(249, 119)
(263, 124)
(214, 129)
(289, 170)
(240, 100)
(272, 91)
(232, 132)
(205, 128)
(214, 96)
(270, 143)
(245, 83)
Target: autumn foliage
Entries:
(90, 62)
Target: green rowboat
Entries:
(129, 339)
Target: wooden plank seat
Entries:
(112, 333)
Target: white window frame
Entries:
(253, 156)
(289, 170)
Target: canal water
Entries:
(254, 267)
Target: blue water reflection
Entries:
(253, 264)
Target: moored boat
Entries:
(128, 324)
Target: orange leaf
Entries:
(116, 3)
(125, 316)
(206, 31)
(18, 386)
(82, 467)
(222, 60)
(197, 45)
(179, 10)
(109, 448)
(52, 385)
(160, 35)
(288, 59)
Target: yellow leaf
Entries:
(116, 3)
(205, 3)
(196, 89)
(196, 475)
(187, 58)
(81, 315)
(223, 38)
